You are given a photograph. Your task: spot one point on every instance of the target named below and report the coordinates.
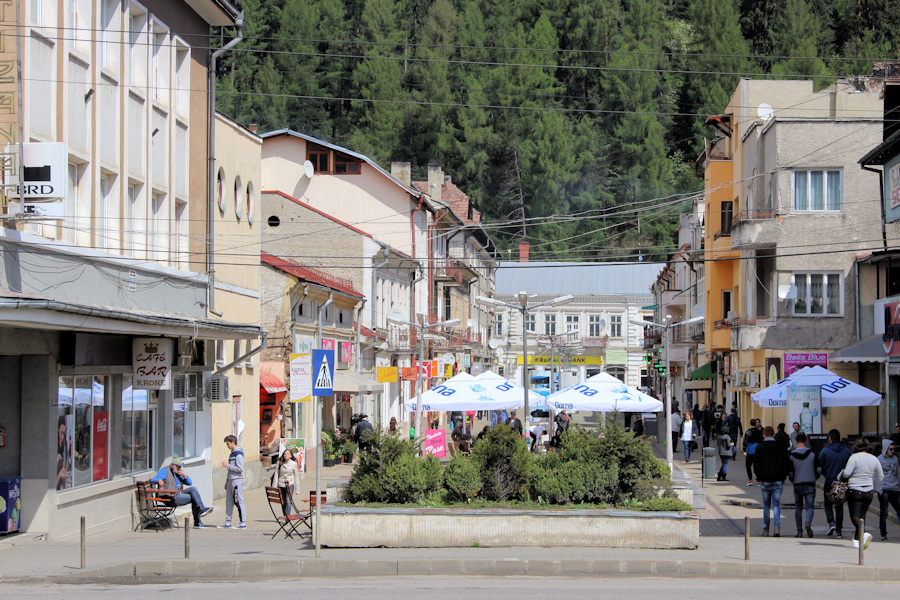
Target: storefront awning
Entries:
(703, 384)
(348, 382)
(870, 349)
(703, 373)
(271, 383)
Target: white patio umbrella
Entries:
(535, 399)
(464, 392)
(836, 391)
(604, 393)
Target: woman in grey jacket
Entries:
(864, 475)
(889, 494)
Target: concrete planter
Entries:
(360, 527)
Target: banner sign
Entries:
(151, 359)
(346, 351)
(301, 377)
(410, 373)
(798, 360)
(891, 336)
(100, 442)
(575, 360)
(298, 447)
(805, 407)
(435, 443)
(773, 371)
(386, 374)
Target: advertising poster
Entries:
(328, 344)
(298, 447)
(435, 443)
(346, 351)
(152, 360)
(386, 374)
(301, 377)
(797, 360)
(100, 444)
(805, 407)
(773, 371)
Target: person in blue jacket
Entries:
(173, 477)
(833, 459)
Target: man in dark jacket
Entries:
(782, 437)
(834, 458)
(772, 466)
(805, 469)
(735, 429)
(752, 438)
(514, 422)
(364, 430)
(706, 424)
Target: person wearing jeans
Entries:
(688, 433)
(805, 469)
(864, 475)
(889, 494)
(772, 466)
(833, 458)
(725, 446)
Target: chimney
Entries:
(401, 171)
(523, 251)
(252, 127)
(435, 181)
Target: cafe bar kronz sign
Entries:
(151, 359)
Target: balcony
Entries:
(754, 229)
(455, 339)
(453, 272)
(595, 342)
(402, 338)
(688, 334)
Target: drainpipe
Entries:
(359, 307)
(211, 165)
(386, 250)
(880, 195)
(319, 320)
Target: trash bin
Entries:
(709, 463)
(10, 504)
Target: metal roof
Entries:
(579, 279)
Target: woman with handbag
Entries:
(285, 478)
(726, 447)
(864, 475)
(688, 433)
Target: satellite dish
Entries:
(308, 169)
(494, 343)
(787, 292)
(395, 314)
(765, 111)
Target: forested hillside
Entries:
(571, 122)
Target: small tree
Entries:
(503, 460)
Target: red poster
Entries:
(346, 352)
(435, 443)
(100, 450)
(327, 344)
(797, 360)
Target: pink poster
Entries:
(798, 360)
(327, 344)
(101, 439)
(346, 352)
(435, 443)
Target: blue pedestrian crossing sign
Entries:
(323, 372)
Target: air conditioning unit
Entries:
(753, 379)
(219, 389)
(178, 387)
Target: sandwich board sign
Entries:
(323, 372)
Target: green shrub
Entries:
(651, 489)
(367, 483)
(410, 478)
(504, 462)
(462, 479)
(665, 505)
(556, 480)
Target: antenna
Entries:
(765, 111)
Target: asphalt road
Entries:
(455, 588)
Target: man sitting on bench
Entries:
(173, 477)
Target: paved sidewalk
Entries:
(252, 553)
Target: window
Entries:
(318, 156)
(498, 324)
(220, 190)
(180, 251)
(109, 28)
(73, 207)
(727, 218)
(251, 203)
(615, 326)
(726, 303)
(137, 47)
(220, 353)
(530, 322)
(153, 232)
(103, 230)
(346, 165)
(595, 326)
(82, 454)
(817, 191)
(236, 417)
(159, 63)
(818, 294)
(238, 198)
(572, 323)
(137, 428)
(549, 324)
(128, 223)
(184, 413)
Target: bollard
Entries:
(746, 538)
(187, 539)
(83, 543)
(861, 536)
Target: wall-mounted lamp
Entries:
(90, 93)
(155, 131)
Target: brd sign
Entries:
(43, 190)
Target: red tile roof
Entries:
(310, 274)
(455, 198)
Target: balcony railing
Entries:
(754, 215)
(595, 342)
(755, 321)
(687, 334)
(402, 339)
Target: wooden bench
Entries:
(155, 507)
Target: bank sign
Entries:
(151, 359)
(574, 360)
(43, 190)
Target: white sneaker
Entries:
(867, 537)
(223, 526)
(856, 543)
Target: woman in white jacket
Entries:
(864, 475)
(286, 477)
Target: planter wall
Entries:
(359, 527)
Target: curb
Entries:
(191, 570)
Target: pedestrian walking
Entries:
(705, 424)
(796, 430)
(752, 438)
(286, 478)
(889, 494)
(735, 430)
(688, 433)
(561, 420)
(896, 437)
(864, 475)
(234, 484)
(726, 447)
(833, 458)
(676, 429)
(782, 437)
(805, 469)
(771, 465)
(514, 422)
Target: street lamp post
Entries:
(523, 309)
(420, 343)
(667, 325)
